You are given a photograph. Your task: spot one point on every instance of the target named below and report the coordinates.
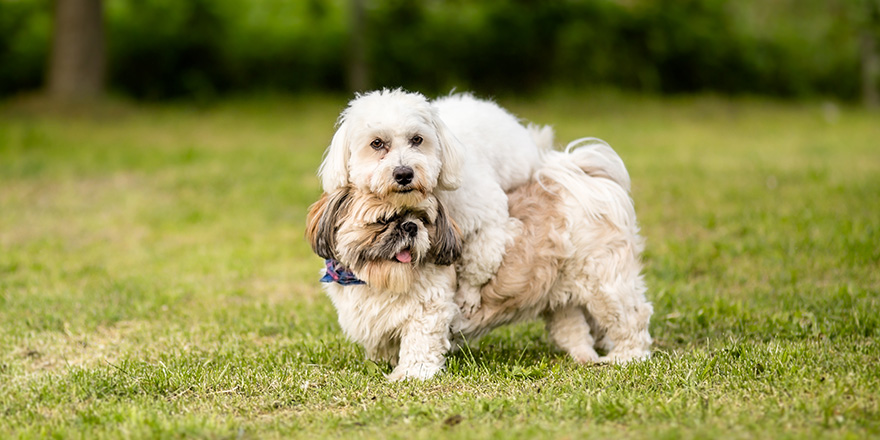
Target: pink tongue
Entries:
(403, 256)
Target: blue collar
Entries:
(337, 273)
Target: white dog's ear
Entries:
(334, 169)
(451, 152)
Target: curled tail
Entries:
(595, 176)
(596, 158)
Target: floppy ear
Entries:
(451, 151)
(322, 221)
(334, 169)
(445, 239)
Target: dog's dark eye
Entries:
(377, 144)
(416, 140)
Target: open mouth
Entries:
(404, 191)
(404, 256)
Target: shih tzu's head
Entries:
(384, 244)
(393, 144)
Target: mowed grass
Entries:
(154, 281)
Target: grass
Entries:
(154, 281)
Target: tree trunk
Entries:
(870, 55)
(77, 64)
(358, 71)
(870, 70)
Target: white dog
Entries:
(574, 262)
(464, 151)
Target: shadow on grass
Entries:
(515, 352)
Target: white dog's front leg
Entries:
(467, 298)
(423, 346)
(481, 257)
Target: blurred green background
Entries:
(160, 49)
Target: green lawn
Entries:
(154, 281)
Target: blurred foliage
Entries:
(164, 48)
(25, 33)
(200, 48)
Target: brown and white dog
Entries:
(576, 263)
(390, 276)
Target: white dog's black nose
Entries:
(403, 175)
(410, 228)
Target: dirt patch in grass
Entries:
(48, 352)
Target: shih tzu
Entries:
(390, 275)
(576, 262)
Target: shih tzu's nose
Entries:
(410, 228)
(403, 175)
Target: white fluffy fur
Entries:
(472, 152)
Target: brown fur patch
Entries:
(390, 276)
(531, 264)
(313, 223)
(322, 221)
(445, 238)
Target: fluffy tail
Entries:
(595, 176)
(596, 158)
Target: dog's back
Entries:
(493, 135)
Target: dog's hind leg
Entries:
(620, 308)
(385, 351)
(569, 330)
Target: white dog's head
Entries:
(393, 144)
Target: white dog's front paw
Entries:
(420, 371)
(468, 299)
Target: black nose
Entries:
(410, 228)
(403, 175)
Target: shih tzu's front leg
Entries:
(424, 343)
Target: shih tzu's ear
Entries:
(451, 151)
(322, 221)
(445, 240)
(334, 169)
